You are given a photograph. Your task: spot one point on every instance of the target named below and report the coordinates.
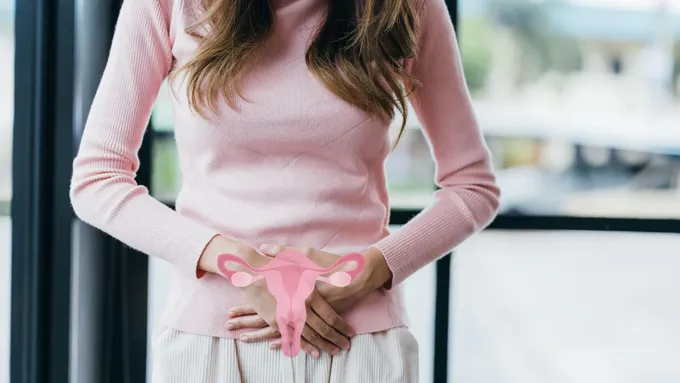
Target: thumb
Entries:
(271, 250)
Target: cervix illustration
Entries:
(290, 278)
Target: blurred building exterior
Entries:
(579, 100)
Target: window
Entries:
(165, 176)
(530, 307)
(579, 104)
(419, 301)
(6, 122)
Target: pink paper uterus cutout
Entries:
(290, 278)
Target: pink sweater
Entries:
(295, 165)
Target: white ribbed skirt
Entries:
(389, 356)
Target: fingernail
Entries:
(244, 337)
(315, 354)
(231, 313)
(346, 346)
(335, 351)
(229, 325)
(265, 247)
(351, 333)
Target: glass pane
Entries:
(419, 300)
(6, 122)
(410, 169)
(580, 307)
(5, 284)
(165, 177)
(160, 284)
(580, 101)
(165, 174)
(162, 118)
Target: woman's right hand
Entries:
(257, 317)
(223, 245)
(325, 329)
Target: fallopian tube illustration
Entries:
(290, 278)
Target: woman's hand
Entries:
(261, 304)
(244, 317)
(324, 329)
(375, 275)
(223, 245)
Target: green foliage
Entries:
(475, 46)
(165, 174)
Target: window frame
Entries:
(41, 213)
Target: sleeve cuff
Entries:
(424, 239)
(190, 249)
(198, 272)
(395, 257)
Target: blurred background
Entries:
(579, 101)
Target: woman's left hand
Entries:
(375, 275)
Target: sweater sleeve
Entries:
(468, 197)
(103, 191)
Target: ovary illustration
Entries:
(290, 278)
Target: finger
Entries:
(322, 336)
(317, 341)
(329, 316)
(242, 310)
(304, 346)
(248, 321)
(267, 333)
(309, 349)
(271, 250)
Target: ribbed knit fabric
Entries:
(292, 165)
(385, 357)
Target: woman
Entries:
(282, 109)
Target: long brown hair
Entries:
(358, 52)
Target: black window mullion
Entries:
(443, 289)
(41, 213)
